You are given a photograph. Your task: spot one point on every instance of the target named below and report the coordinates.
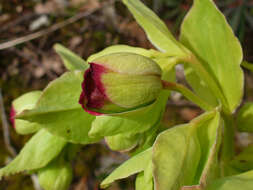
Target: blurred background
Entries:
(86, 27)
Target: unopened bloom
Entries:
(120, 82)
(25, 102)
(12, 116)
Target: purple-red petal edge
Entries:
(12, 116)
(93, 91)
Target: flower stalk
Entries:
(187, 94)
(210, 81)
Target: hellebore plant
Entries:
(123, 93)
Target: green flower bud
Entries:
(24, 102)
(120, 82)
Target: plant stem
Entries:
(210, 81)
(228, 145)
(187, 93)
(229, 128)
(247, 65)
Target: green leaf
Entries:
(132, 166)
(122, 141)
(245, 118)
(243, 181)
(37, 153)
(155, 29)
(141, 183)
(26, 101)
(146, 139)
(167, 65)
(176, 154)
(207, 34)
(209, 135)
(70, 59)
(144, 179)
(196, 162)
(60, 113)
(57, 175)
(199, 86)
(137, 122)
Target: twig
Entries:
(27, 17)
(35, 181)
(51, 29)
(21, 19)
(5, 125)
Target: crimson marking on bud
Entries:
(93, 90)
(12, 116)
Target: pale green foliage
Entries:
(243, 181)
(207, 34)
(139, 121)
(188, 152)
(70, 60)
(134, 165)
(37, 153)
(156, 30)
(60, 100)
(57, 175)
(123, 141)
(245, 118)
(144, 180)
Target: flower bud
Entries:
(120, 82)
(24, 102)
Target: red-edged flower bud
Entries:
(120, 82)
(24, 102)
(12, 116)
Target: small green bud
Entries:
(24, 102)
(120, 82)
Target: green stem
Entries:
(187, 93)
(229, 128)
(210, 81)
(247, 65)
(228, 146)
